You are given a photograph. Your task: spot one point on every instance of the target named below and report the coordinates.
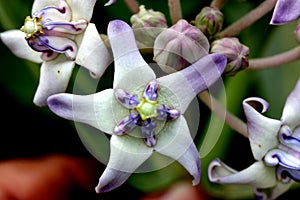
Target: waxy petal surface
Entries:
(129, 63)
(257, 175)
(127, 154)
(187, 83)
(92, 53)
(54, 78)
(291, 110)
(285, 11)
(262, 131)
(94, 109)
(176, 142)
(15, 41)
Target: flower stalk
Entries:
(175, 10)
(248, 19)
(231, 120)
(133, 5)
(275, 60)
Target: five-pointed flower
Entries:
(275, 145)
(59, 35)
(285, 11)
(142, 113)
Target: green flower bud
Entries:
(237, 54)
(147, 24)
(179, 46)
(209, 21)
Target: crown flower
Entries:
(59, 35)
(142, 113)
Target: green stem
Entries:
(276, 60)
(248, 19)
(175, 10)
(133, 5)
(230, 119)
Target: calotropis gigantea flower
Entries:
(275, 145)
(58, 35)
(142, 113)
(285, 11)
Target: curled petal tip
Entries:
(259, 104)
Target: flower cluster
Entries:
(144, 113)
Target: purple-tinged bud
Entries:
(237, 54)
(297, 33)
(209, 21)
(147, 24)
(179, 46)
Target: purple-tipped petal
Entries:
(257, 175)
(111, 179)
(15, 41)
(166, 114)
(291, 110)
(287, 138)
(285, 11)
(187, 83)
(262, 131)
(52, 9)
(273, 192)
(127, 154)
(54, 78)
(284, 157)
(285, 175)
(151, 91)
(190, 160)
(94, 109)
(127, 124)
(127, 100)
(148, 132)
(130, 68)
(176, 142)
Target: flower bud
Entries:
(237, 54)
(209, 21)
(179, 46)
(147, 24)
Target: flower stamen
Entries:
(32, 27)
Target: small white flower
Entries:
(275, 145)
(58, 35)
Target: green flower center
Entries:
(147, 109)
(32, 27)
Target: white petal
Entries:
(291, 110)
(272, 193)
(131, 70)
(15, 41)
(92, 53)
(127, 153)
(81, 9)
(262, 131)
(257, 175)
(187, 83)
(59, 10)
(54, 78)
(111, 179)
(94, 109)
(176, 142)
